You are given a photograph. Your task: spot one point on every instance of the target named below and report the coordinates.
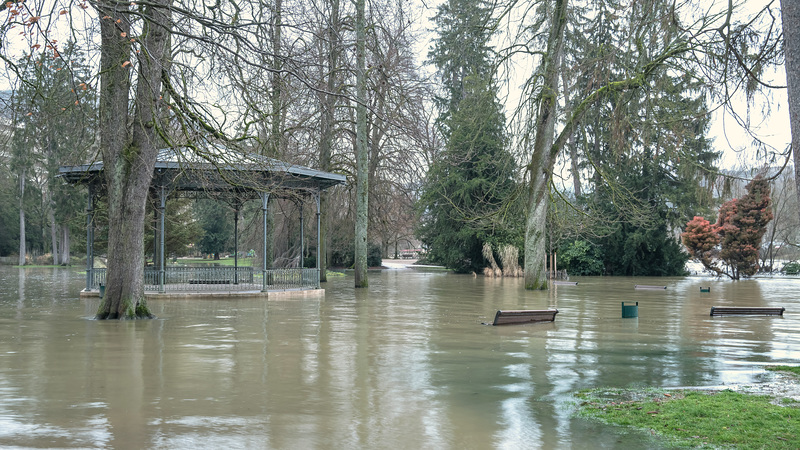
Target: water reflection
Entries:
(405, 363)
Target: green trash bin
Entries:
(629, 311)
(102, 290)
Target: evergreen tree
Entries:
(472, 177)
(740, 226)
(460, 51)
(468, 184)
(216, 222)
(182, 228)
(56, 110)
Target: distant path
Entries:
(397, 263)
(406, 264)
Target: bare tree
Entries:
(790, 13)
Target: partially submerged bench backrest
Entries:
(747, 311)
(524, 316)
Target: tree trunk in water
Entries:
(22, 249)
(323, 236)
(543, 158)
(790, 12)
(327, 134)
(128, 165)
(54, 229)
(535, 233)
(65, 244)
(362, 155)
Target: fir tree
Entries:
(472, 177)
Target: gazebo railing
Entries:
(283, 279)
(220, 278)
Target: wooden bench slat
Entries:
(746, 311)
(524, 316)
(644, 286)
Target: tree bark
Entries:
(54, 228)
(129, 164)
(22, 249)
(573, 147)
(328, 118)
(790, 13)
(544, 155)
(65, 244)
(362, 155)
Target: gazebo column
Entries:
(302, 240)
(264, 201)
(162, 205)
(155, 231)
(90, 238)
(319, 257)
(236, 243)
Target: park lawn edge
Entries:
(794, 370)
(696, 418)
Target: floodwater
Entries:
(405, 364)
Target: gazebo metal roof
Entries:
(218, 169)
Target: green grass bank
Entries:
(697, 418)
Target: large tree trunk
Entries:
(790, 11)
(54, 229)
(544, 155)
(65, 244)
(327, 126)
(362, 155)
(275, 142)
(573, 147)
(22, 249)
(128, 165)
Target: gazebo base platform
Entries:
(278, 294)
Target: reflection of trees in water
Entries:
(406, 361)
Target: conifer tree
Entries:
(472, 176)
(740, 226)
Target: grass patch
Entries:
(697, 418)
(795, 370)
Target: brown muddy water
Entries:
(405, 364)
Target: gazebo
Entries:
(221, 173)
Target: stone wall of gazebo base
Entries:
(273, 295)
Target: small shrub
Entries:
(374, 255)
(791, 268)
(580, 258)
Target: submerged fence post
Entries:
(319, 243)
(264, 200)
(90, 238)
(162, 274)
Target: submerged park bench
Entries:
(524, 316)
(746, 311)
(210, 281)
